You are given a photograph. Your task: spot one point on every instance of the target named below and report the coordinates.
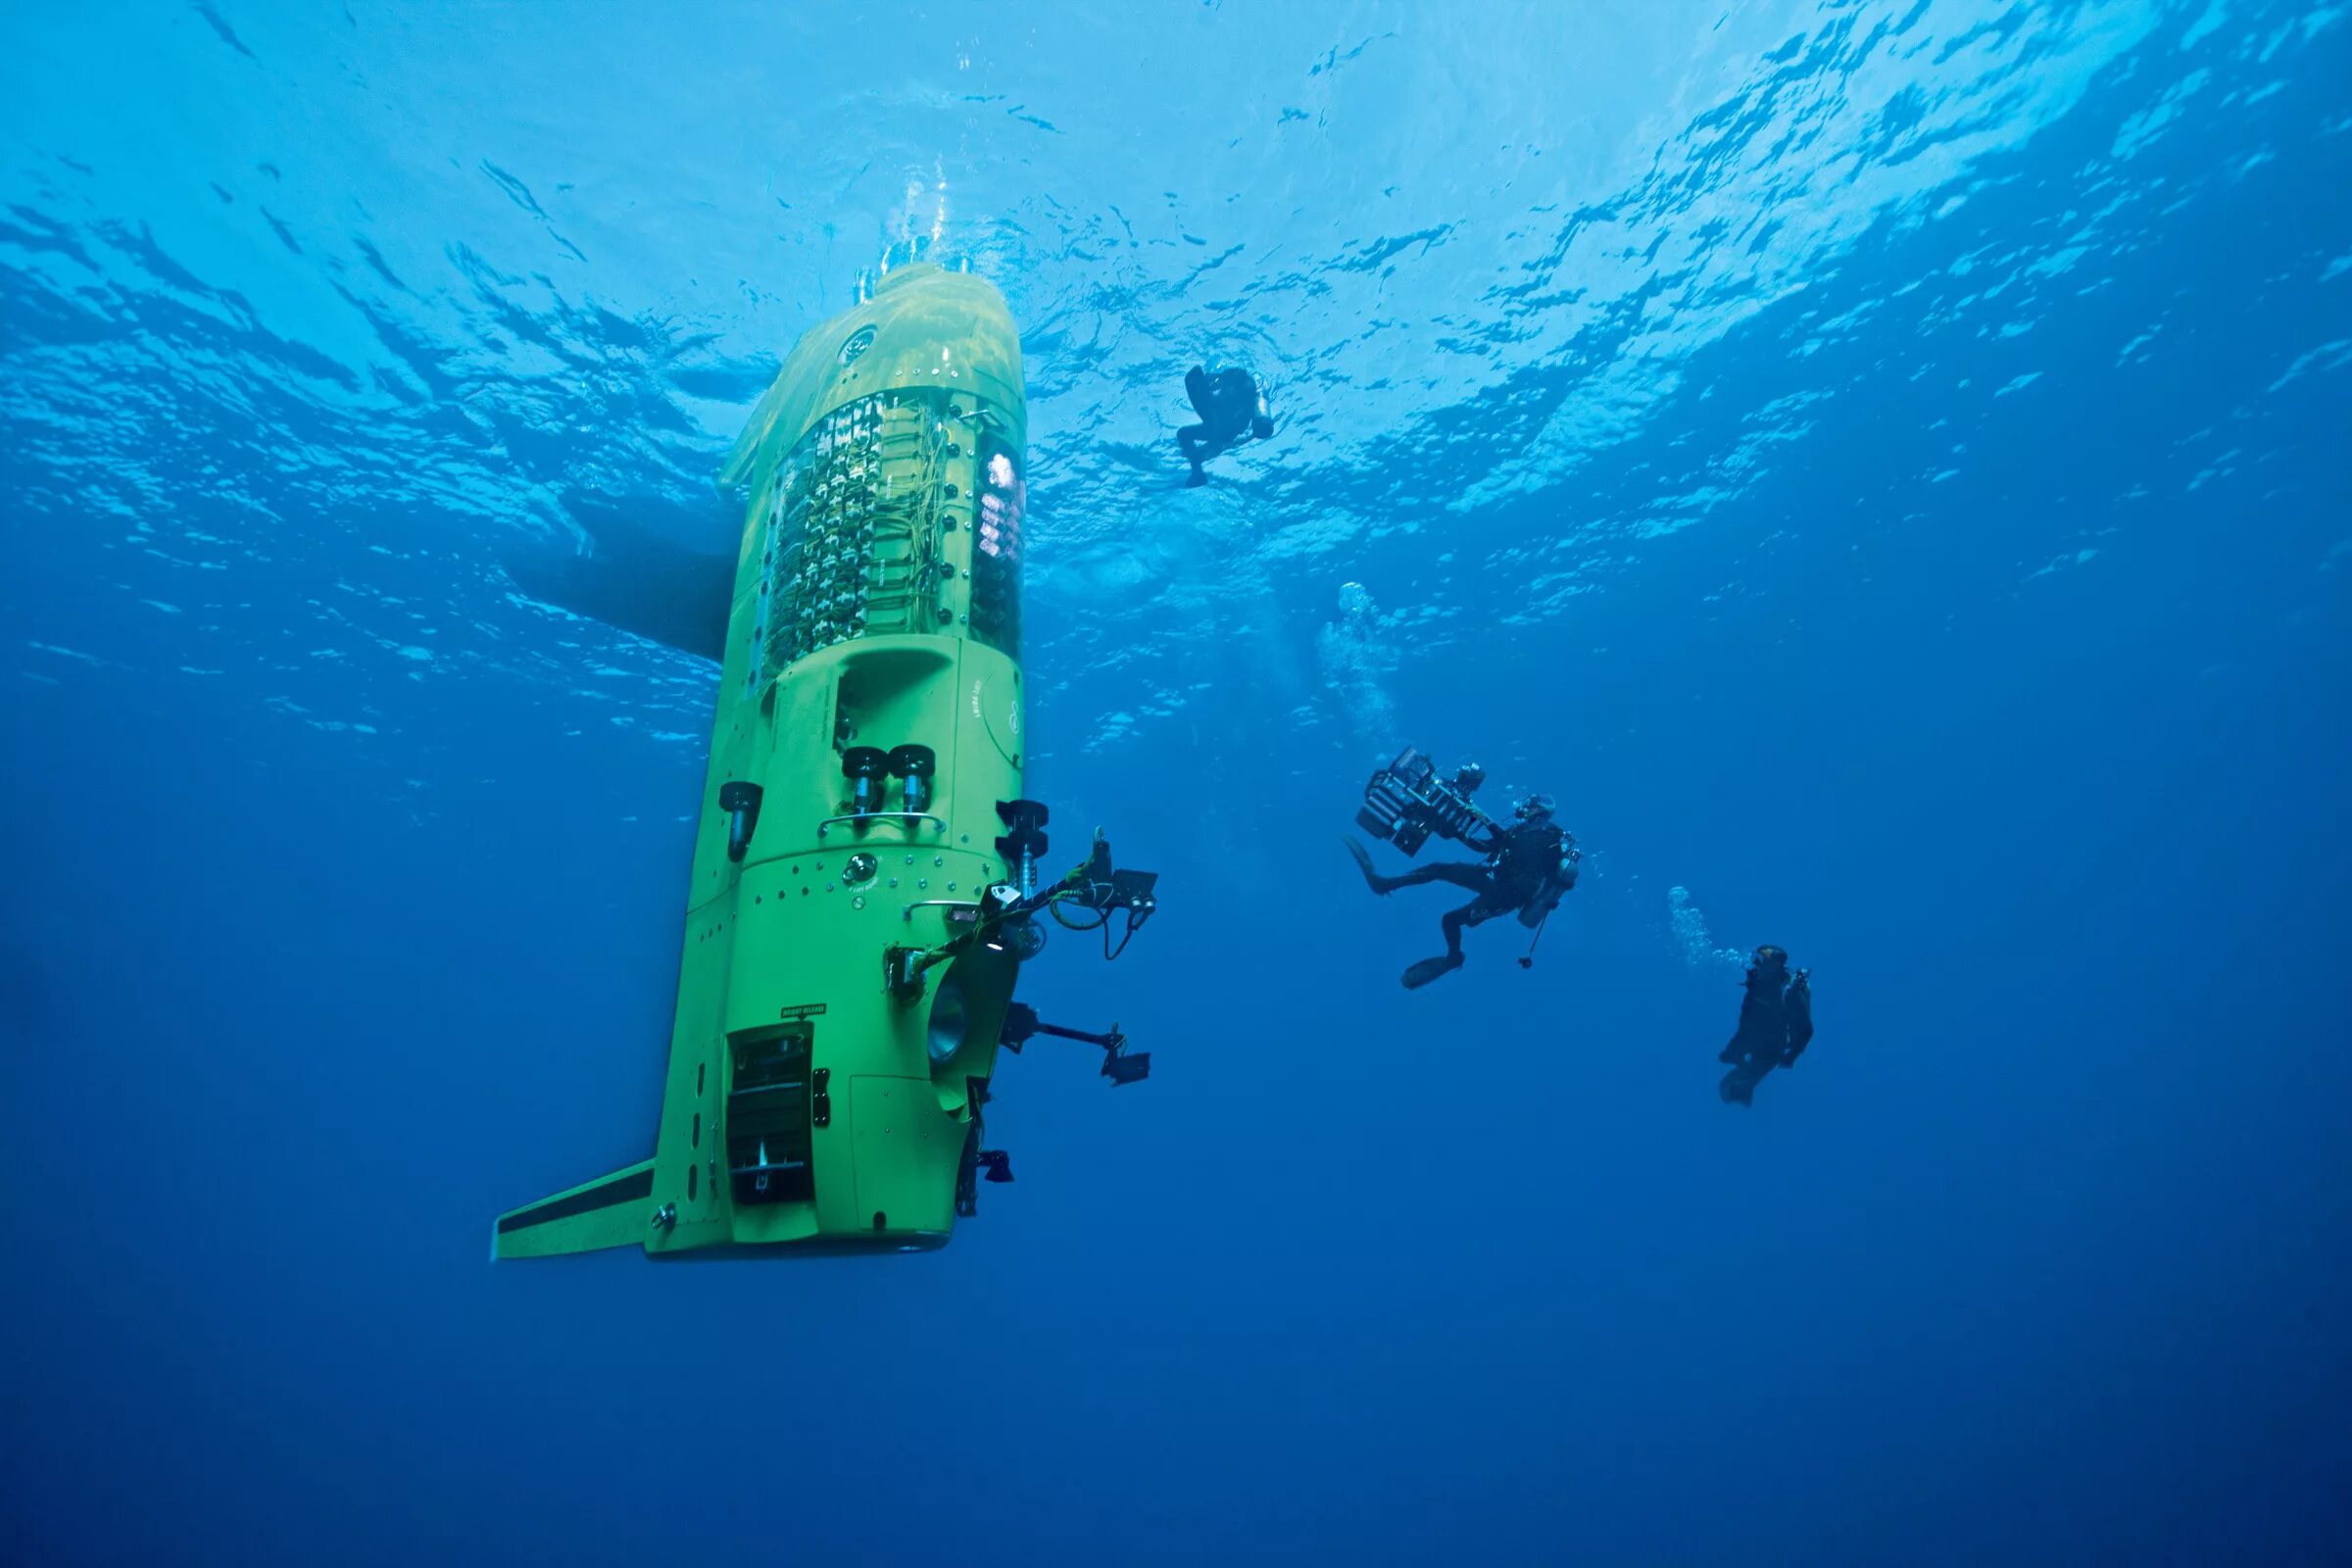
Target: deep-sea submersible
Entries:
(867, 880)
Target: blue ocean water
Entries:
(1882, 466)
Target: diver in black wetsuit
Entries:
(1529, 867)
(1776, 1024)
(1232, 411)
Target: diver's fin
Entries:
(1739, 1086)
(1363, 863)
(1428, 969)
(640, 582)
(608, 1211)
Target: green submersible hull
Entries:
(864, 872)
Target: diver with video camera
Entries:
(1528, 865)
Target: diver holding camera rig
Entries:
(1528, 867)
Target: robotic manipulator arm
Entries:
(1406, 802)
(1005, 916)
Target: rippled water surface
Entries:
(1883, 464)
(348, 297)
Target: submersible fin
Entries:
(640, 582)
(610, 1211)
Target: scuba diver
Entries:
(1232, 409)
(1776, 1024)
(1529, 867)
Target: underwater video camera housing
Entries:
(1406, 802)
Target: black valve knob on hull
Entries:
(916, 764)
(865, 766)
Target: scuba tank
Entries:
(1554, 888)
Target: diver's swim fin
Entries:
(1363, 863)
(1739, 1086)
(1428, 969)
